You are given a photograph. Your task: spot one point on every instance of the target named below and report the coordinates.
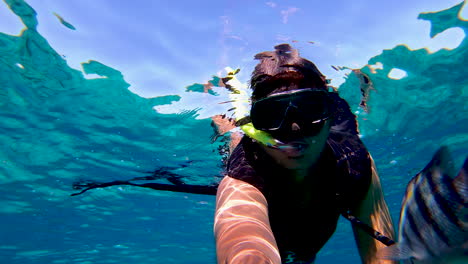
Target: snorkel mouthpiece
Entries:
(291, 146)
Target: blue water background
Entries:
(57, 127)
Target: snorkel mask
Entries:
(272, 117)
(268, 119)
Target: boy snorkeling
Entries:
(280, 203)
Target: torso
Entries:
(302, 221)
(303, 215)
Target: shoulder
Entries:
(241, 164)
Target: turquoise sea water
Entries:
(57, 127)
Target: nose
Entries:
(295, 127)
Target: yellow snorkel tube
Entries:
(258, 135)
(240, 101)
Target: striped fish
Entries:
(434, 215)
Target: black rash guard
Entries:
(337, 184)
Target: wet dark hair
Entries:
(284, 70)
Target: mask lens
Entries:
(312, 129)
(307, 130)
(268, 114)
(304, 107)
(312, 106)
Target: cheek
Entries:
(316, 145)
(281, 158)
(275, 153)
(319, 140)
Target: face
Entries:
(301, 153)
(299, 120)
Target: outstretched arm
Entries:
(241, 227)
(374, 211)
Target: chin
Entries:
(291, 164)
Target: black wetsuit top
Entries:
(340, 181)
